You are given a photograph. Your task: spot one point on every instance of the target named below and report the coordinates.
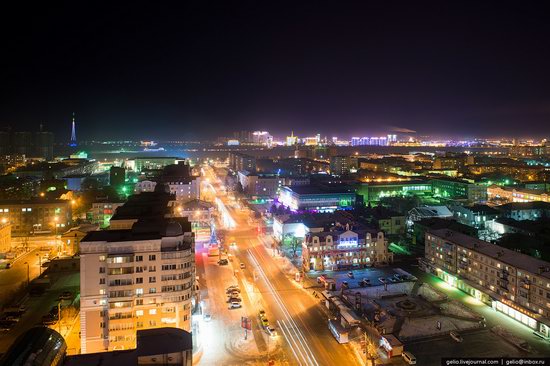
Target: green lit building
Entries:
(456, 189)
(373, 191)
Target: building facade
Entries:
(511, 194)
(457, 189)
(515, 284)
(101, 213)
(36, 216)
(321, 199)
(5, 236)
(134, 279)
(343, 249)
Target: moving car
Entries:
(207, 317)
(223, 262)
(6, 325)
(234, 305)
(233, 294)
(264, 321)
(456, 336)
(243, 266)
(261, 314)
(232, 289)
(234, 299)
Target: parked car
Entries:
(11, 318)
(366, 281)
(6, 325)
(398, 277)
(234, 305)
(409, 358)
(345, 284)
(271, 331)
(48, 320)
(456, 336)
(243, 266)
(382, 279)
(392, 279)
(350, 275)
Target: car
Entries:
(398, 277)
(366, 282)
(409, 358)
(223, 262)
(234, 305)
(345, 284)
(234, 299)
(233, 294)
(264, 321)
(382, 279)
(11, 317)
(66, 295)
(261, 314)
(49, 319)
(233, 245)
(392, 279)
(456, 336)
(271, 331)
(6, 325)
(232, 289)
(350, 275)
(243, 266)
(207, 317)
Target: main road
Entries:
(297, 316)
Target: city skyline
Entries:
(340, 69)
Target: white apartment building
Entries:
(515, 284)
(339, 249)
(133, 279)
(184, 190)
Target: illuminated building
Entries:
(101, 212)
(341, 165)
(73, 133)
(140, 163)
(512, 194)
(456, 189)
(71, 238)
(291, 140)
(342, 248)
(374, 191)
(239, 161)
(36, 215)
(145, 186)
(318, 198)
(370, 141)
(262, 138)
(428, 212)
(477, 215)
(5, 236)
(515, 284)
(199, 213)
(522, 172)
(133, 279)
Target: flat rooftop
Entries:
(521, 261)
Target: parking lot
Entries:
(354, 278)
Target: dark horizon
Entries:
(143, 70)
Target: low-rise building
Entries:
(71, 238)
(525, 210)
(322, 198)
(457, 189)
(513, 194)
(5, 236)
(36, 215)
(101, 212)
(427, 212)
(373, 191)
(344, 249)
(477, 215)
(515, 284)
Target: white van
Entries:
(409, 358)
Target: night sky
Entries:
(202, 69)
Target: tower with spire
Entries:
(73, 134)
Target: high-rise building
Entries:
(135, 279)
(73, 133)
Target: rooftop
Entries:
(513, 258)
(535, 205)
(321, 189)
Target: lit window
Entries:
(139, 312)
(152, 311)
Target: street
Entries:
(298, 317)
(12, 279)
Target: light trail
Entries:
(292, 328)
